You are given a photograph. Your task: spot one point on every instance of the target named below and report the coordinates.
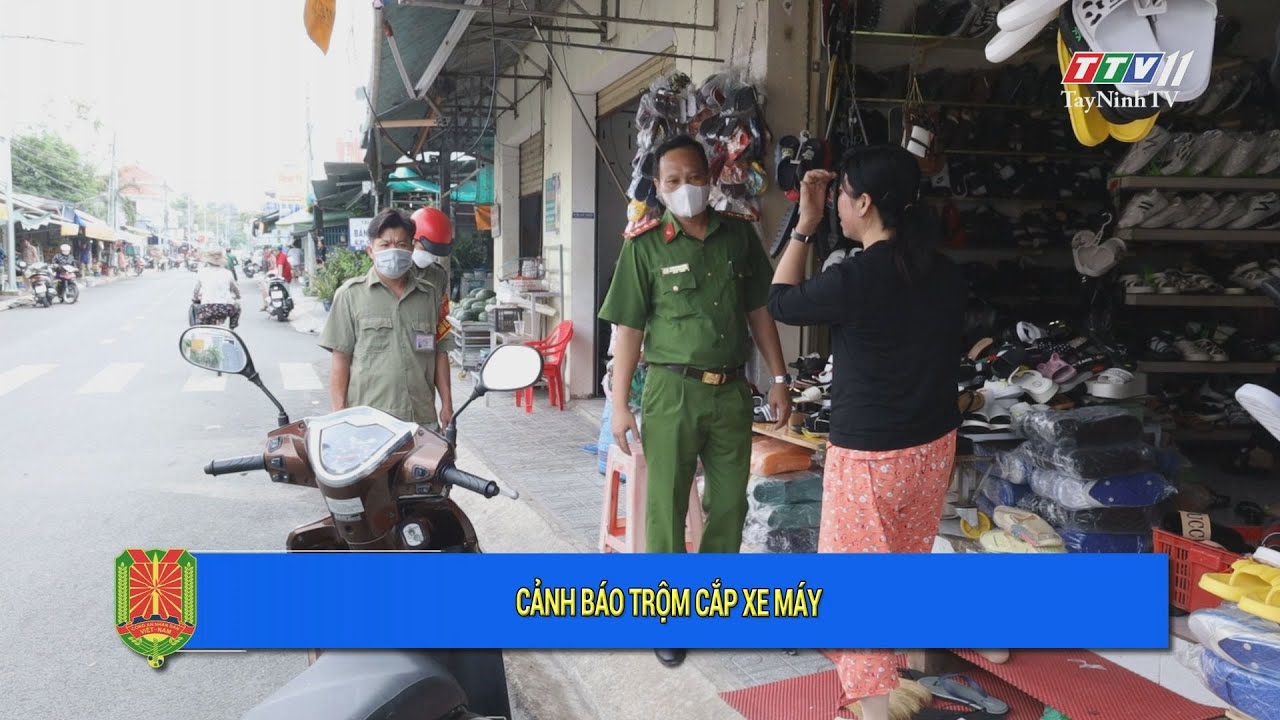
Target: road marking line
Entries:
(300, 376)
(21, 375)
(111, 379)
(204, 381)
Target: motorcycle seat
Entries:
(363, 685)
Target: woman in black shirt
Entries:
(896, 316)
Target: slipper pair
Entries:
(1027, 527)
(795, 157)
(1254, 585)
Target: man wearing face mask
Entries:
(689, 287)
(389, 332)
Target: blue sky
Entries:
(211, 94)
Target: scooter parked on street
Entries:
(39, 278)
(386, 484)
(279, 303)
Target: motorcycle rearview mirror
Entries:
(507, 369)
(222, 351)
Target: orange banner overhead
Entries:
(318, 16)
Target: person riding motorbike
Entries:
(63, 257)
(216, 292)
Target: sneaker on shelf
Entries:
(1176, 210)
(1274, 348)
(1251, 276)
(1199, 282)
(1201, 208)
(1261, 208)
(1161, 346)
(1248, 349)
(1135, 285)
(1178, 153)
(1144, 151)
(1166, 283)
(1269, 160)
(1209, 149)
(1191, 350)
(1213, 350)
(1222, 334)
(1142, 206)
(1238, 417)
(1230, 209)
(1272, 265)
(1243, 154)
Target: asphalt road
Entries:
(104, 431)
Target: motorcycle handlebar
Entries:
(467, 481)
(236, 465)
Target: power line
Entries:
(34, 168)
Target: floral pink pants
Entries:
(881, 502)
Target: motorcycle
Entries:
(40, 279)
(250, 268)
(68, 290)
(193, 264)
(280, 303)
(386, 484)
(137, 265)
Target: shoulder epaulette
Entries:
(641, 227)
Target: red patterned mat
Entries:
(1110, 692)
(816, 697)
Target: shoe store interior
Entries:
(1123, 328)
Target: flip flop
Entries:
(1263, 603)
(1021, 13)
(1246, 577)
(1091, 129)
(966, 690)
(1057, 370)
(1120, 27)
(1188, 27)
(1002, 541)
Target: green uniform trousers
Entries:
(684, 420)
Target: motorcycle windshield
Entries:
(347, 445)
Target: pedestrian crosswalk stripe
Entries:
(204, 381)
(300, 376)
(111, 379)
(17, 377)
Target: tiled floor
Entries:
(542, 455)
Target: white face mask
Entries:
(393, 263)
(687, 201)
(422, 258)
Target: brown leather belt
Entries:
(707, 377)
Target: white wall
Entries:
(569, 147)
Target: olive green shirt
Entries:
(392, 341)
(691, 297)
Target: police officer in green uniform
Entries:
(688, 287)
(388, 332)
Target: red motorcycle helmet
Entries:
(433, 229)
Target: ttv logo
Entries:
(1163, 70)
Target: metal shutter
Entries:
(633, 84)
(531, 165)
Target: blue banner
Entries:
(431, 600)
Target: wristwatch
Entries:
(782, 379)
(801, 237)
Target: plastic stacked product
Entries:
(1088, 473)
(725, 115)
(784, 499)
(1238, 659)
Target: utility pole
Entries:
(6, 185)
(113, 208)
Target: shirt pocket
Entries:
(676, 294)
(375, 335)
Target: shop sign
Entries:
(583, 215)
(551, 204)
(358, 230)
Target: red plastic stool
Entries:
(626, 534)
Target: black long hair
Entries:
(890, 175)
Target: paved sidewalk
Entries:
(543, 456)
(308, 314)
(23, 296)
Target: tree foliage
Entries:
(46, 165)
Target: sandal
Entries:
(1026, 526)
(964, 690)
(1057, 370)
(1115, 384)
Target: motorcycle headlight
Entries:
(347, 445)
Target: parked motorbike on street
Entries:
(137, 265)
(386, 484)
(279, 303)
(39, 278)
(65, 283)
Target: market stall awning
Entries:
(93, 227)
(298, 218)
(32, 213)
(477, 190)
